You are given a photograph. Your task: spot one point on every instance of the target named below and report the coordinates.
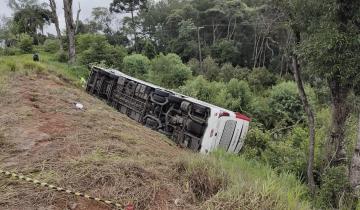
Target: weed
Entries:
(31, 65)
(11, 65)
(203, 177)
(243, 184)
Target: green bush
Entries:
(103, 52)
(240, 93)
(94, 48)
(288, 153)
(61, 56)
(149, 50)
(85, 41)
(26, 43)
(226, 51)
(51, 45)
(227, 72)
(9, 51)
(257, 141)
(210, 69)
(260, 78)
(136, 65)
(11, 65)
(235, 95)
(169, 71)
(260, 111)
(194, 66)
(334, 188)
(285, 104)
(249, 184)
(204, 90)
(34, 66)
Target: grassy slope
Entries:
(216, 181)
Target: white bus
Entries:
(189, 122)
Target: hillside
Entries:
(105, 154)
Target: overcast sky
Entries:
(86, 8)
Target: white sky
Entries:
(86, 8)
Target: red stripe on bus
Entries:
(243, 117)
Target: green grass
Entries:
(245, 184)
(23, 64)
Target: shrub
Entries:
(334, 188)
(288, 153)
(227, 72)
(136, 65)
(203, 176)
(204, 90)
(240, 93)
(149, 49)
(26, 43)
(260, 78)
(194, 66)
(257, 141)
(285, 104)
(61, 56)
(169, 71)
(85, 41)
(96, 49)
(110, 55)
(9, 51)
(235, 95)
(243, 184)
(51, 45)
(260, 111)
(31, 65)
(11, 65)
(210, 69)
(226, 51)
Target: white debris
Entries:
(79, 106)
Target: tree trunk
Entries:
(311, 122)
(340, 111)
(77, 19)
(355, 165)
(56, 22)
(134, 28)
(70, 29)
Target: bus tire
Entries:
(158, 98)
(174, 99)
(161, 93)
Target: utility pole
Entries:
(200, 56)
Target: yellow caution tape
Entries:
(59, 189)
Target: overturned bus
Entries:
(187, 121)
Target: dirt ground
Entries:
(96, 150)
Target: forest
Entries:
(293, 66)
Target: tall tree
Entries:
(31, 18)
(129, 6)
(101, 19)
(311, 121)
(70, 29)
(330, 49)
(56, 22)
(354, 174)
(289, 10)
